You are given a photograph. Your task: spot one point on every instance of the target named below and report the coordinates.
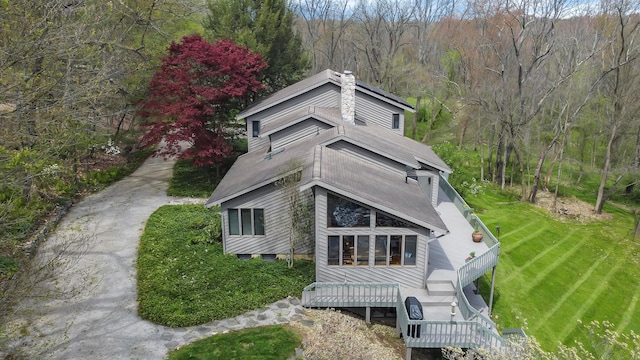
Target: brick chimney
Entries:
(348, 98)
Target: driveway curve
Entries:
(87, 308)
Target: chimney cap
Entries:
(348, 72)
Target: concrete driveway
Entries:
(87, 309)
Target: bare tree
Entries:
(380, 35)
(621, 26)
(326, 32)
(299, 206)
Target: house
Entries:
(382, 211)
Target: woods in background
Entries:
(539, 92)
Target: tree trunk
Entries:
(547, 179)
(541, 158)
(555, 193)
(605, 171)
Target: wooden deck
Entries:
(449, 279)
(448, 253)
(437, 329)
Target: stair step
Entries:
(440, 288)
(438, 300)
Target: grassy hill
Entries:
(556, 270)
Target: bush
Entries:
(184, 280)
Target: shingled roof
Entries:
(324, 77)
(385, 190)
(337, 172)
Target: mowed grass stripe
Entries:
(511, 246)
(570, 326)
(540, 255)
(559, 302)
(631, 310)
(542, 274)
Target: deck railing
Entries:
(416, 333)
(348, 294)
(476, 331)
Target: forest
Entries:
(538, 91)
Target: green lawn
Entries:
(269, 342)
(553, 273)
(184, 279)
(189, 180)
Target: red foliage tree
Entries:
(191, 97)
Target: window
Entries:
(384, 220)
(344, 213)
(234, 229)
(362, 250)
(396, 121)
(255, 128)
(246, 221)
(381, 250)
(396, 250)
(410, 249)
(342, 250)
(334, 250)
(258, 221)
(348, 250)
(249, 221)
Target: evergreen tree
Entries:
(265, 27)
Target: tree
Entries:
(298, 204)
(326, 24)
(620, 80)
(69, 74)
(265, 27)
(193, 94)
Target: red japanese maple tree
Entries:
(191, 97)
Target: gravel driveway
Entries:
(87, 308)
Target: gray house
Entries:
(386, 223)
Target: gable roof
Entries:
(341, 173)
(390, 192)
(329, 116)
(327, 76)
(391, 145)
(259, 168)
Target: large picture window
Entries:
(246, 221)
(344, 213)
(396, 250)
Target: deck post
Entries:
(367, 317)
(493, 280)
(408, 357)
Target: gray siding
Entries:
(368, 156)
(327, 95)
(276, 238)
(307, 128)
(378, 112)
(413, 276)
(430, 189)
